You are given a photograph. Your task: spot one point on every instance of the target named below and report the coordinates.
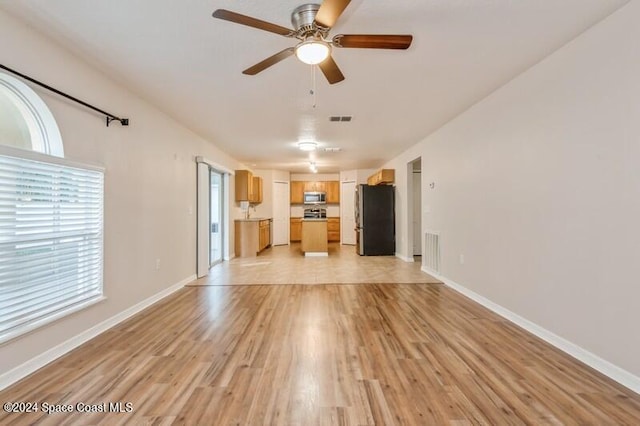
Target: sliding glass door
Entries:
(216, 196)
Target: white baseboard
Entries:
(405, 258)
(610, 370)
(56, 352)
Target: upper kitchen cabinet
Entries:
(333, 192)
(382, 177)
(314, 187)
(256, 195)
(248, 187)
(297, 192)
(330, 188)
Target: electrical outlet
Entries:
(462, 259)
(157, 264)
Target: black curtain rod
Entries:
(110, 117)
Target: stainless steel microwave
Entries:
(315, 197)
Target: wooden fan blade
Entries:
(331, 71)
(252, 22)
(330, 11)
(271, 60)
(373, 41)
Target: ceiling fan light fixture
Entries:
(313, 51)
(307, 146)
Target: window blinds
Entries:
(51, 241)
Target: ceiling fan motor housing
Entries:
(302, 18)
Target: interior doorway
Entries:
(414, 208)
(281, 213)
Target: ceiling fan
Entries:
(312, 23)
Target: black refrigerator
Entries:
(375, 220)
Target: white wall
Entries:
(538, 185)
(150, 183)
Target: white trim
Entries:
(405, 258)
(316, 253)
(10, 151)
(26, 368)
(610, 370)
(219, 167)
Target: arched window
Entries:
(51, 218)
(25, 120)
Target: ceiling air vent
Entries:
(340, 118)
(332, 149)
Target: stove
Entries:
(315, 213)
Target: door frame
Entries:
(223, 218)
(353, 201)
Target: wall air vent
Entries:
(345, 118)
(431, 258)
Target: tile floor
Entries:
(288, 265)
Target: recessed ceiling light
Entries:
(307, 146)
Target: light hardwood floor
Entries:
(334, 354)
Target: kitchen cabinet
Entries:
(244, 185)
(382, 176)
(256, 191)
(331, 188)
(295, 231)
(315, 186)
(297, 192)
(264, 234)
(333, 229)
(333, 192)
(252, 236)
(248, 187)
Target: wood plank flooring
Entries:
(386, 354)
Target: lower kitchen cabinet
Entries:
(295, 230)
(333, 229)
(252, 236)
(264, 237)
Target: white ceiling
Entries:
(174, 54)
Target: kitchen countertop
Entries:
(254, 219)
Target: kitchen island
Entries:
(314, 237)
